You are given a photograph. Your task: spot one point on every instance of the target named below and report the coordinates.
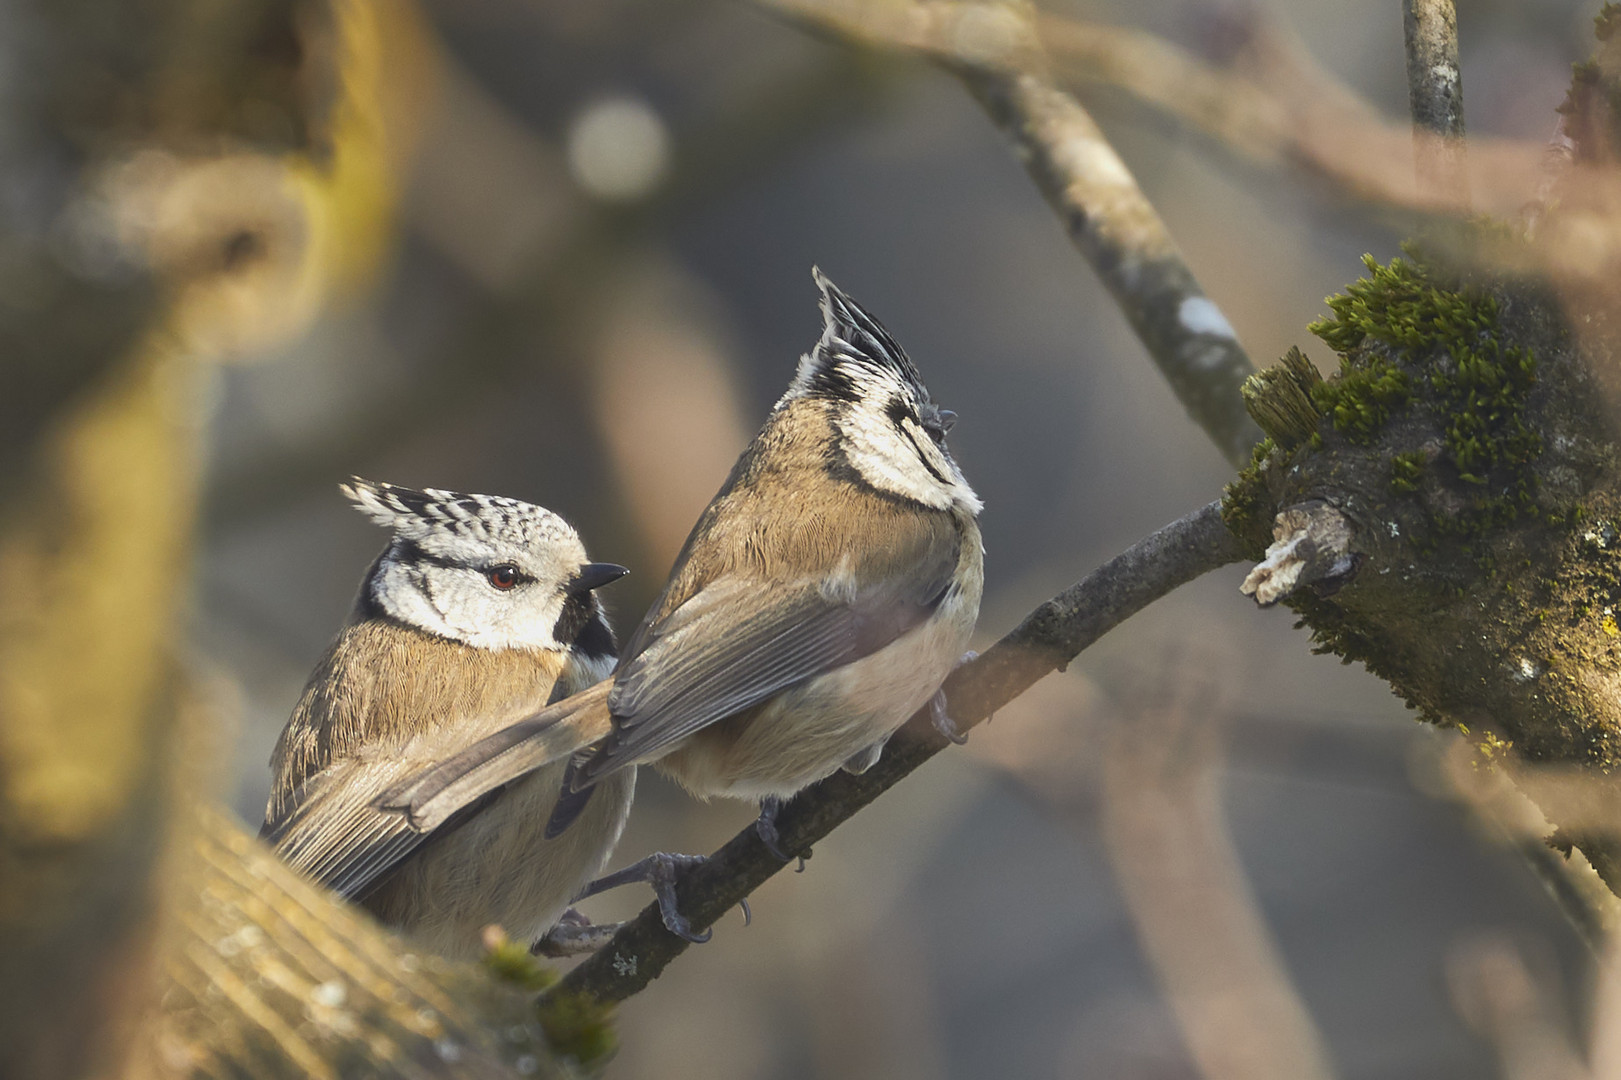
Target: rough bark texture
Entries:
(269, 977)
(1467, 442)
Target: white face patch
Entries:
(459, 603)
(898, 457)
(437, 574)
(876, 402)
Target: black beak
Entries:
(948, 419)
(594, 575)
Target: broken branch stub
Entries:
(1311, 545)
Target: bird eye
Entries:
(503, 577)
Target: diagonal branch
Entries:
(1111, 222)
(995, 50)
(1048, 639)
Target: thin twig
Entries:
(1048, 639)
(1114, 226)
(1435, 95)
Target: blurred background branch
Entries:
(1435, 97)
(996, 51)
(98, 482)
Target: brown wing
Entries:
(385, 702)
(827, 598)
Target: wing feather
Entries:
(736, 643)
(335, 835)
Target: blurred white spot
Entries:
(1093, 162)
(618, 148)
(1200, 315)
(330, 994)
(986, 34)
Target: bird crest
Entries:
(854, 352)
(435, 519)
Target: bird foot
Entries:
(942, 720)
(573, 935)
(661, 870)
(937, 706)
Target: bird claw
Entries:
(942, 720)
(666, 869)
(765, 827)
(573, 935)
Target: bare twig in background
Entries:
(1273, 102)
(1115, 227)
(996, 52)
(1435, 95)
(1166, 831)
(1049, 638)
(1460, 770)
(1150, 769)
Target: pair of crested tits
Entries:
(465, 753)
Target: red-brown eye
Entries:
(503, 577)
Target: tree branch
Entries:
(266, 975)
(1114, 226)
(1435, 95)
(1048, 639)
(994, 49)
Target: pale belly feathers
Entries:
(500, 868)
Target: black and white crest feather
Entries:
(891, 433)
(853, 348)
(430, 517)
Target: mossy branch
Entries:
(1047, 640)
(1468, 452)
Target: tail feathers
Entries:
(554, 733)
(571, 804)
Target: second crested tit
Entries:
(481, 611)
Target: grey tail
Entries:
(572, 803)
